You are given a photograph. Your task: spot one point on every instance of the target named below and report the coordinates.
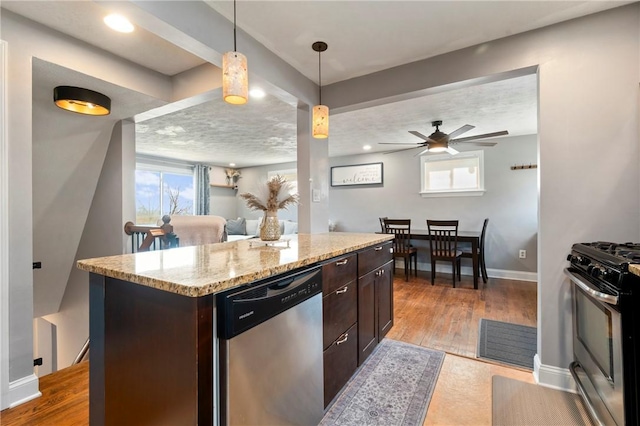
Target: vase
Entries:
(270, 227)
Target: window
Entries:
(450, 176)
(163, 190)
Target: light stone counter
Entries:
(212, 268)
(634, 269)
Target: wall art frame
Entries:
(357, 174)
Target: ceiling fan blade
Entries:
(422, 152)
(483, 136)
(461, 130)
(483, 143)
(404, 149)
(418, 134)
(452, 151)
(401, 143)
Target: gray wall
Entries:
(510, 201)
(26, 42)
(110, 207)
(251, 177)
(588, 72)
(223, 200)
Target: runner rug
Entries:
(393, 387)
(508, 343)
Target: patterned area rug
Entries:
(393, 387)
(512, 344)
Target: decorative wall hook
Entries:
(524, 167)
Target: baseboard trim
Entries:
(468, 271)
(553, 377)
(23, 390)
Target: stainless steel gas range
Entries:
(606, 330)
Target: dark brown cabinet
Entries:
(384, 290)
(357, 309)
(340, 329)
(375, 297)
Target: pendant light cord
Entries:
(320, 77)
(234, 25)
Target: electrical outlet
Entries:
(523, 254)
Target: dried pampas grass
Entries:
(273, 195)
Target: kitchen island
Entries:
(153, 324)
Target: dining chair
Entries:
(482, 267)
(382, 219)
(401, 228)
(443, 242)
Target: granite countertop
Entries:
(207, 269)
(634, 269)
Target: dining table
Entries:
(472, 237)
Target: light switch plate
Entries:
(315, 195)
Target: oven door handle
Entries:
(588, 288)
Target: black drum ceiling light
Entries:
(320, 120)
(82, 101)
(235, 77)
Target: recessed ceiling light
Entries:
(118, 23)
(366, 147)
(232, 164)
(257, 93)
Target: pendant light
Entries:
(320, 121)
(82, 101)
(235, 80)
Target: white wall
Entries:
(588, 71)
(510, 202)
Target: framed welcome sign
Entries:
(358, 174)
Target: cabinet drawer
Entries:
(373, 257)
(339, 312)
(338, 272)
(340, 362)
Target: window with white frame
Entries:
(452, 175)
(163, 189)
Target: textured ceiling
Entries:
(260, 132)
(363, 37)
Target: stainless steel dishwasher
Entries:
(271, 352)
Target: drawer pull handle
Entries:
(378, 248)
(342, 339)
(342, 262)
(342, 290)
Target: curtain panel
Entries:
(202, 188)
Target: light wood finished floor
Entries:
(446, 318)
(438, 317)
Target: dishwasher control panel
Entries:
(242, 309)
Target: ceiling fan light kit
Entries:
(81, 101)
(235, 75)
(320, 118)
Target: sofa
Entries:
(193, 230)
(244, 228)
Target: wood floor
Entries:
(446, 318)
(438, 317)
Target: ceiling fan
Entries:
(439, 141)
